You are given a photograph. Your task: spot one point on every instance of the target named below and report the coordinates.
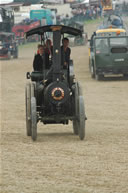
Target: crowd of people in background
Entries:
(82, 14)
(91, 12)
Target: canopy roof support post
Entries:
(56, 55)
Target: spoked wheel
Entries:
(81, 118)
(33, 118)
(28, 108)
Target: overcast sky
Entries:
(5, 1)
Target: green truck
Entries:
(108, 55)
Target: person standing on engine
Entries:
(38, 59)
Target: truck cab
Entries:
(109, 56)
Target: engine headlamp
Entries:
(57, 93)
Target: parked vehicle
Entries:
(108, 55)
(8, 46)
(53, 96)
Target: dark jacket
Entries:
(38, 63)
(65, 56)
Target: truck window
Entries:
(101, 45)
(118, 41)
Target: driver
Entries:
(65, 52)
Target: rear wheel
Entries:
(28, 108)
(34, 118)
(79, 121)
(81, 118)
(75, 121)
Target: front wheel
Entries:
(99, 76)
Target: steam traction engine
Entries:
(53, 96)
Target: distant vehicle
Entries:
(52, 1)
(6, 19)
(107, 5)
(78, 40)
(125, 8)
(53, 96)
(109, 55)
(44, 15)
(21, 28)
(8, 46)
(112, 21)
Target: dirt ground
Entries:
(58, 162)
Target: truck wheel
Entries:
(9, 55)
(15, 54)
(125, 75)
(98, 76)
(34, 118)
(28, 108)
(92, 71)
(81, 118)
